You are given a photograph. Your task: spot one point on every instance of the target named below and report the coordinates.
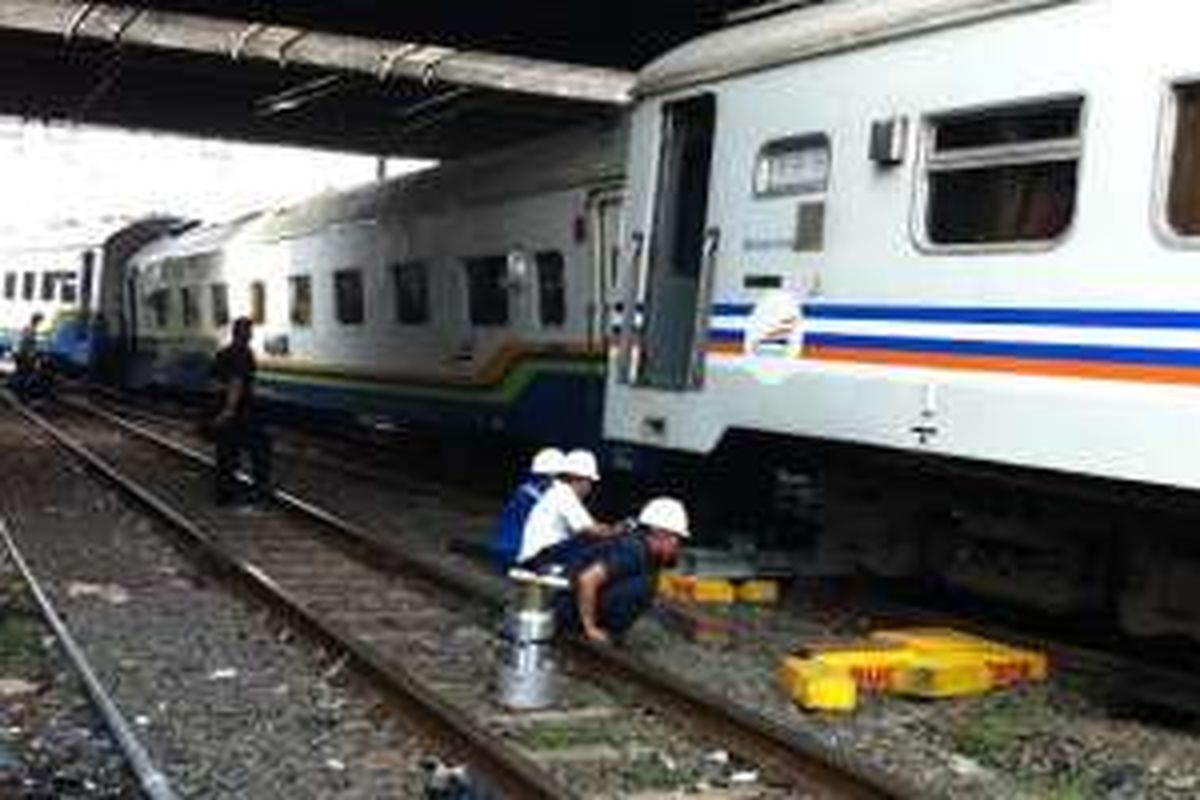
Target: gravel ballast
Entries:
(1066, 739)
(226, 700)
(52, 742)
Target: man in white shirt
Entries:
(560, 513)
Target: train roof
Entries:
(584, 157)
(592, 156)
(811, 32)
(192, 240)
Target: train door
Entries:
(606, 254)
(87, 280)
(681, 250)
(129, 334)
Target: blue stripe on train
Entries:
(989, 315)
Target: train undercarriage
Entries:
(1112, 556)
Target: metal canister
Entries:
(527, 674)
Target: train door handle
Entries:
(712, 243)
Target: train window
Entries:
(59, 285)
(218, 294)
(258, 302)
(28, 285)
(1003, 176)
(411, 281)
(68, 287)
(348, 296)
(10, 285)
(795, 165)
(160, 307)
(189, 303)
(300, 300)
(487, 290)
(552, 294)
(1183, 197)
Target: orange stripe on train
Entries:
(1025, 366)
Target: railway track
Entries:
(1133, 680)
(387, 462)
(424, 632)
(151, 780)
(354, 457)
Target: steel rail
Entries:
(802, 758)
(152, 781)
(507, 769)
(351, 469)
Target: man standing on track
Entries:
(238, 426)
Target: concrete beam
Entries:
(385, 59)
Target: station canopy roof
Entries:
(438, 79)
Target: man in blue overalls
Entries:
(613, 580)
(506, 536)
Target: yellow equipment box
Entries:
(920, 662)
(871, 666)
(693, 589)
(671, 585)
(1006, 664)
(762, 592)
(713, 590)
(818, 687)
(946, 674)
(689, 588)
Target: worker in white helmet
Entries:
(614, 581)
(506, 537)
(560, 514)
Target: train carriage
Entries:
(469, 297)
(870, 240)
(57, 281)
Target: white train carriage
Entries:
(963, 231)
(468, 296)
(58, 281)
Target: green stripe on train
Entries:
(515, 382)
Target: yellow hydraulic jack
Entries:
(916, 662)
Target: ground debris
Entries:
(109, 592)
(16, 687)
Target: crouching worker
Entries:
(560, 514)
(613, 581)
(506, 536)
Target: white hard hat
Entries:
(581, 464)
(548, 461)
(666, 513)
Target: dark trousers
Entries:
(246, 434)
(621, 602)
(622, 599)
